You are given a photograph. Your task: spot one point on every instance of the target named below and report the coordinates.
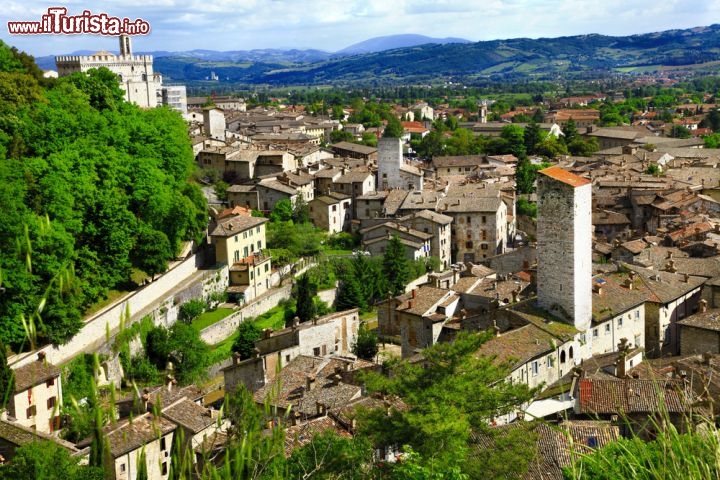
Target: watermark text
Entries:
(57, 21)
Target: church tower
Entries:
(564, 249)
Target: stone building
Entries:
(37, 397)
(135, 72)
(564, 251)
(392, 170)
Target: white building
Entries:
(564, 251)
(135, 72)
(392, 170)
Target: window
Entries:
(637, 314)
(592, 442)
(164, 468)
(259, 245)
(252, 274)
(122, 468)
(607, 328)
(334, 208)
(31, 411)
(267, 267)
(51, 403)
(637, 340)
(162, 443)
(469, 244)
(484, 219)
(595, 332)
(316, 351)
(237, 239)
(287, 358)
(468, 220)
(620, 320)
(535, 368)
(384, 175)
(570, 353)
(484, 246)
(50, 382)
(562, 356)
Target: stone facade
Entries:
(37, 398)
(564, 250)
(331, 212)
(135, 72)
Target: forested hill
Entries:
(500, 60)
(92, 187)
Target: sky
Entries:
(331, 25)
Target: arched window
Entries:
(562, 356)
(570, 353)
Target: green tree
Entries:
(366, 345)
(7, 378)
(396, 266)
(328, 456)
(514, 135)
(152, 250)
(188, 352)
(531, 137)
(282, 211)
(301, 210)
(349, 295)
(450, 393)
(192, 309)
(305, 291)
(244, 344)
(570, 131)
(680, 131)
(47, 460)
(394, 128)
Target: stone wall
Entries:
(512, 262)
(695, 341)
(94, 333)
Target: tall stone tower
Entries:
(564, 250)
(135, 72)
(390, 159)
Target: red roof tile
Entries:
(564, 176)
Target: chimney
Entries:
(414, 292)
(686, 278)
(516, 295)
(669, 254)
(410, 304)
(628, 283)
(267, 333)
(623, 349)
(321, 409)
(295, 322)
(336, 379)
(41, 356)
(703, 305)
(631, 275)
(309, 382)
(236, 358)
(670, 266)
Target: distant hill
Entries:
(389, 42)
(581, 56)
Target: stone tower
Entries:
(564, 250)
(390, 159)
(125, 46)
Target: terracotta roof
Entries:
(133, 434)
(300, 435)
(234, 225)
(190, 415)
(34, 373)
(632, 395)
(709, 320)
(518, 346)
(564, 176)
(556, 446)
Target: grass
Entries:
(223, 350)
(273, 318)
(210, 317)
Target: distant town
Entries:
(387, 287)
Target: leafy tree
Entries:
(329, 456)
(305, 291)
(7, 378)
(341, 136)
(349, 295)
(680, 131)
(449, 394)
(514, 135)
(531, 137)
(192, 309)
(244, 344)
(152, 250)
(47, 460)
(366, 345)
(570, 131)
(188, 352)
(395, 266)
(394, 128)
(282, 211)
(300, 210)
